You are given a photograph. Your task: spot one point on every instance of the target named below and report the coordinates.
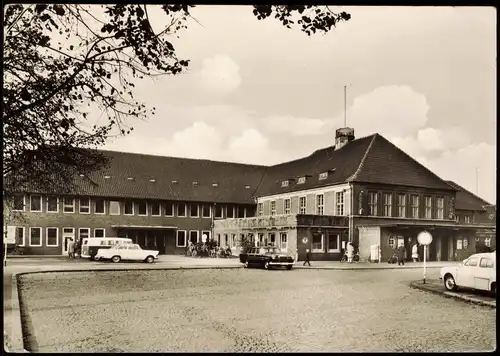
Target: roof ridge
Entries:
(184, 158)
(351, 178)
(468, 191)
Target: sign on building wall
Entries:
(11, 235)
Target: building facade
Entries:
(363, 190)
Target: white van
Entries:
(92, 244)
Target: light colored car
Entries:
(127, 252)
(476, 272)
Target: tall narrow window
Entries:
(302, 205)
(128, 209)
(273, 207)
(52, 237)
(414, 206)
(287, 206)
(339, 205)
(373, 203)
(99, 206)
(272, 238)
(84, 206)
(52, 205)
(35, 236)
(181, 238)
(68, 205)
(320, 199)
(193, 210)
(169, 209)
(181, 209)
(401, 205)
(35, 203)
(428, 207)
(20, 236)
(440, 208)
(205, 211)
(242, 212)
(155, 209)
(218, 211)
(142, 208)
(387, 204)
(260, 209)
(19, 203)
(230, 211)
(284, 240)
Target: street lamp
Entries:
(424, 238)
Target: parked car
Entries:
(91, 245)
(476, 272)
(266, 257)
(127, 252)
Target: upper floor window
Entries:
(440, 208)
(287, 206)
(273, 207)
(339, 206)
(169, 209)
(323, 175)
(284, 183)
(68, 205)
(387, 204)
(428, 207)
(230, 211)
(84, 205)
(205, 211)
(260, 209)
(193, 210)
(241, 212)
(218, 211)
(35, 203)
(414, 206)
(129, 208)
(99, 206)
(302, 205)
(142, 208)
(52, 204)
(155, 209)
(320, 199)
(401, 205)
(181, 209)
(18, 203)
(114, 207)
(467, 219)
(373, 203)
(301, 180)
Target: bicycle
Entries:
(355, 257)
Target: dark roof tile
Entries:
(466, 200)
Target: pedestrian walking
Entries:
(414, 252)
(71, 248)
(308, 258)
(350, 252)
(401, 255)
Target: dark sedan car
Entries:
(266, 257)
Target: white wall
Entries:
(368, 236)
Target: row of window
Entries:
(35, 235)
(301, 180)
(320, 205)
(129, 207)
(462, 242)
(373, 206)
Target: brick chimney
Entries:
(343, 136)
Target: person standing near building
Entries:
(308, 258)
(414, 252)
(71, 248)
(350, 252)
(401, 254)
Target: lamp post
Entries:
(424, 238)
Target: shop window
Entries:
(284, 240)
(333, 242)
(317, 242)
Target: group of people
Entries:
(74, 249)
(401, 254)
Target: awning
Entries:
(144, 227)
(433, 224)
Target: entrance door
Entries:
(68, 233)
(170, 237)
(444, 248)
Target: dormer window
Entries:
(107, 177)
(215, 185)
(152, 180)
(301, 180)
(175, 181)
(82, 175)
(130, 178)
(247, 186)
(195, 184)
(323, 175)
(284, 183)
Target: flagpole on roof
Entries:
(345, 105)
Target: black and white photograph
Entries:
(249, 178)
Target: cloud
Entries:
(295, 126)
(452, 138)
(219, 74)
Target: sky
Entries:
(257, 92)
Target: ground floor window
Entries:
(52, 236)
(487, 241)
(233, 240)
(193, 237)
(84, 233)
(181, 238)
(150, 240)
(99, 233)
(35, 236)
(272, 238)
(260, 242)
(284, 240)
(333, 242)
(317, 242)
(207, 233)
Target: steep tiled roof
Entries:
(340, 164)
(231, 179)
(386, 163)
(466, 200)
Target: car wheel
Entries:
(289, 267)
(449, 283)
(246, 265)
(150, 259)
(267, 265)
(96, 258)
(116, 259)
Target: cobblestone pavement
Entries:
(250, 310)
